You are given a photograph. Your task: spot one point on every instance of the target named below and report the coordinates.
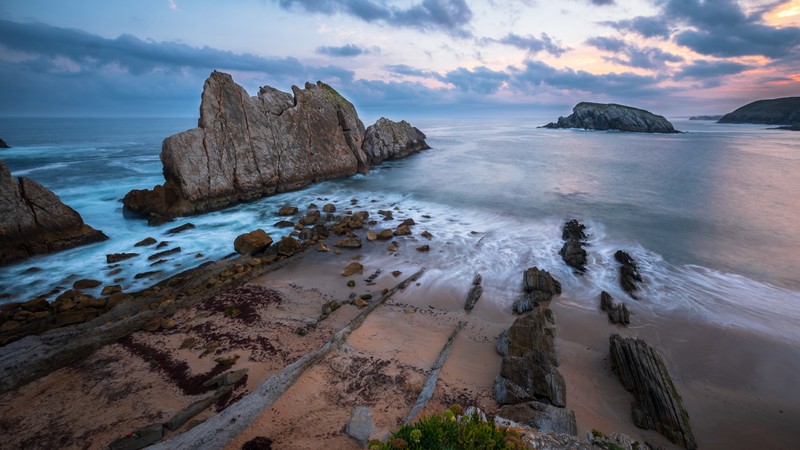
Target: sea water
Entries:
(710, 215)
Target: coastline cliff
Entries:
(610, 116)
(33, 220)
(778, 111)
(247, 147)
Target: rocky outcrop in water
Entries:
(392, 140)
(629, 276)
(572, 252)
(779, 111)
(247, 147)
(710, 118)
(610, 116)
(657, 405)
(3, 144)
(617, 312)
(539, 286)
(33, 220)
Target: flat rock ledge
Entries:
(245, 148)
(610, 116)
(33, 220)
(657, 405)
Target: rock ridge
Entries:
(245, 148)
(33, 220)
(611, 116)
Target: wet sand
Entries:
(738, 388)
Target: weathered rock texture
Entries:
(572, 252)
(392, 140)
(610, 116)
(629, 275)
(617, 312)
(539, 286)
(528, 371)
(33, 220)
(247, 147)
(544, 418)
(779, 111)
(657, 405)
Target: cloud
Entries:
(479, 80)
(717, 28)
(620, 85)
(451, 16)
(711, 72)
(633, 56)
(602, 2)
(345, 51)
(533, 44)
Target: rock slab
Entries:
(542, 417)
(387, 139)
(33, 220)
(657, 405)
(610, 116)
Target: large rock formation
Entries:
(3, 144)
(33, 220)
(248, 147)
(601, 116)
(657, 405)
(392, 140)
(779, 111)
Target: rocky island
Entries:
(610, 116)
(245, 148)
(779, 111)
(3, 144)
(33, 220)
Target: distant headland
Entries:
(778, 111)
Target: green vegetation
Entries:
(351, 283)
(232, 311)
(604, 442)
(450, 431)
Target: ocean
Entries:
(710, 215)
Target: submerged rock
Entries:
(33, 220)
(247, 147)
(629, 274)
(610, 116)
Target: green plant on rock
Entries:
(448, 431)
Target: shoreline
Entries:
(402, 338)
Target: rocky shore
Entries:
(778, 111)
(600, 116)
(247, 147)
(33, 220)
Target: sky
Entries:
(149, 58)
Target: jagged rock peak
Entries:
(3, 144)
(610, 116)
(33, 220)
(248, 147)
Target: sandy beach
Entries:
(274, 319)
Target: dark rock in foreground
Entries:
(528, 371)
(572, 251)
(779, 111)
(617, 312)
(3, 144)
(33, 220)
(248, 147)
(540, 286)
(657, 405)
(602, 116)
(629, 274)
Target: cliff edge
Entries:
(33, 220)
(247, 147)
(610, 116)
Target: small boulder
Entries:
(360, 426)
(424, 248)
(617, 312)
(287, 210)
(352, 269)
(252, 242)
(288, 246)
(86, 284)
(402, 230)
(629, 274)
(385, 234)
(348, 243)
(329, 208)
(181, 229)
(112, 289)
(145, 242)
(284, 224)
(117, 257)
